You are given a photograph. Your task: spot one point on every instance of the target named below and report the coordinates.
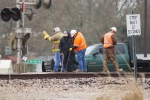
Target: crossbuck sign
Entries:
(133, 24)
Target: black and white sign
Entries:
(8, 50)
(133, 24)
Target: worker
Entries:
(55, 39)
(79, 45)
(109, 41)
(69, 59)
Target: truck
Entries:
(124, 54)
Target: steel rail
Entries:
(70, 75)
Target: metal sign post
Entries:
(134, 57)
(133, 28)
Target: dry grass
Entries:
(135, 93)
(130, 91)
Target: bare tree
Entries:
(92, 17)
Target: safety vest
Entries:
(108, 40)
(79, 42)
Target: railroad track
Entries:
(70, 75)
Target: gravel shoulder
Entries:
(75, 89)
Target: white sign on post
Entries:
(133, 24)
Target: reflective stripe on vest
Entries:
(108, 40)
(55, 50)
(56, 42)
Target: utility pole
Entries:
(145, 28)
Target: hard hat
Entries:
(65, 33)
(57, 29)
(114, 29)
(73, 32)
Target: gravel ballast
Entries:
(97, 88)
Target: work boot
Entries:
(105, 69)
(78, 70)
(85, 71)
(119, 70)
(53, 71)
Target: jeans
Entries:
(62, 63)
(81, 60)
(57, 61)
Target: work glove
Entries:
(46, 36)
(45, 33)
(70, 49)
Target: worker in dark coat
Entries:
(68, 57)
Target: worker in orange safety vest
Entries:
(108, 41)
(79, 45)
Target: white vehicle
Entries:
(6, 67)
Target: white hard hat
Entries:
(114, 29)
(73, 32)
(57, 29)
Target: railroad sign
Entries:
(34, 62)
(133, 24)
(8, 50)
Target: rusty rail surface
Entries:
(70, 75)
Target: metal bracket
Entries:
(22, 31)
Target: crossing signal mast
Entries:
(17, 40)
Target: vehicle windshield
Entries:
(90, 49)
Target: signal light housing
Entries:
(5, 15)
(15, 14)
(47, 4)
(38, 4)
